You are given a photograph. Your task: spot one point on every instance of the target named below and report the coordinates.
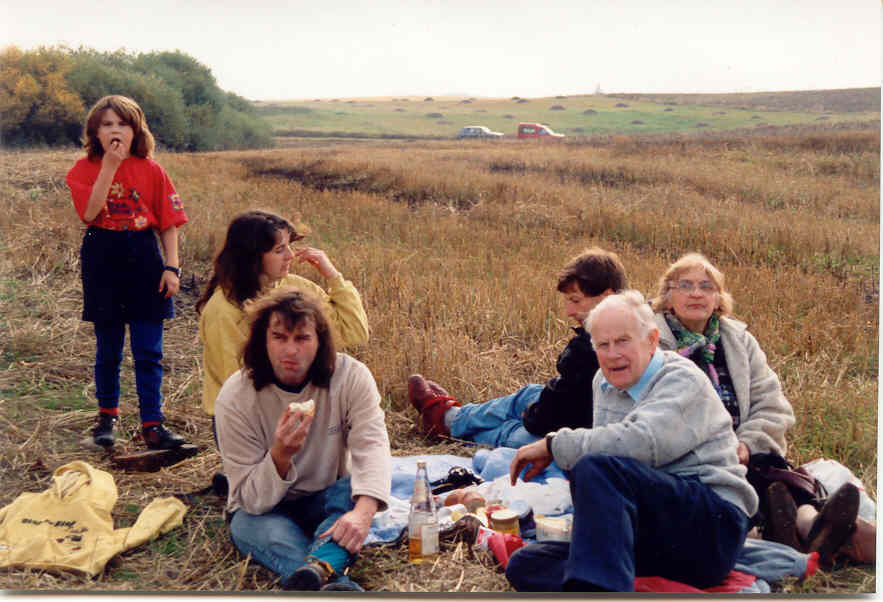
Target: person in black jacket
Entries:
(528, 414)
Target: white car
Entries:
(478, 131)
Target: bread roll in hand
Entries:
(307, 407)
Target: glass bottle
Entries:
(422, 521)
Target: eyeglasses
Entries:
(686, 286)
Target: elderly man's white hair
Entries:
(630, 300)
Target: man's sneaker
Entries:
(102, 434)
(311, 577)
(159, 437)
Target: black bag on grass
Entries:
(765, 469)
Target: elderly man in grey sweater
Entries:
(657, 486)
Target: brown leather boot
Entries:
(834, 524)
(431, 401)
(781, 520)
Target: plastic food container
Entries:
(504, 521)
(553, 528)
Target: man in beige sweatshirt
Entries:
(304, 484)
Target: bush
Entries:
(36, 105)
(45, 95)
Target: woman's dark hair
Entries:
(129, 111)
(593, 271)
(239, 264)
(294, 307)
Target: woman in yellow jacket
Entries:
(256, 258)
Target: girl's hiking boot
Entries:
(159, 437)
(102, 434)
(431, 402)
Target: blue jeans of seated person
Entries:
(497, 422)
(146, 342)
(284, 537)
(631, 520)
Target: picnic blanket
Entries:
(760, 563)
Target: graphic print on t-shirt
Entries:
(125, 209)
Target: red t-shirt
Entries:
(142, 195)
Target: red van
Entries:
(537, 130)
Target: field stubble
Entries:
(454, 248)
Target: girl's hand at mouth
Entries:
(114, 154)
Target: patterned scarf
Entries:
(703, 346)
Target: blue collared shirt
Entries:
(636, 389)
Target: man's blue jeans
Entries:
(497, 422)
(146, 341)
(284, 537)
(631, 520)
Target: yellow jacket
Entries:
(223, 329)
(69, 525)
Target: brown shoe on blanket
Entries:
(781, 519)
(834, 524)
(431, 401)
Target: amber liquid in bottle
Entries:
(422, 521)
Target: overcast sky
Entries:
(268, 50)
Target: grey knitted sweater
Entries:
(677, 425)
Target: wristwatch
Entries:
(173, 269)
(549, 438)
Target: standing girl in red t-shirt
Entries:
(123, 196)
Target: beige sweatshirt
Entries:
(347, 436)
(223, 329)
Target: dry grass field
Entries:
(454, 248)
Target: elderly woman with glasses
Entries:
(692, 312)
(693, 316)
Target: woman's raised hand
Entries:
(318, 259)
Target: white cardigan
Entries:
(764, 412)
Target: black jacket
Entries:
(566, 400)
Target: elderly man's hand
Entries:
(536, 455)
(744, 453)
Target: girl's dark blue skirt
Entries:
(121, 271)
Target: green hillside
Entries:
(442, 117)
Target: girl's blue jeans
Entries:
(497, 422)
(284, 537)
(146, 339)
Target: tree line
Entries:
(45, 94)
